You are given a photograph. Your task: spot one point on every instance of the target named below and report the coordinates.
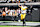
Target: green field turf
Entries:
(15, 26)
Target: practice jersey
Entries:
(3, 13)
(23, 9)
(18, 11)
(10, 13)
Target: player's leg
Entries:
(4, 18)
(24, 18)
(14, 18)
(21, 16)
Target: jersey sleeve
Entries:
(26, 7)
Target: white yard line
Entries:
(20, 23)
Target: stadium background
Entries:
(29, 17)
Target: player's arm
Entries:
(26, 8)
(19, 5)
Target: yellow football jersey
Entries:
(23, 9)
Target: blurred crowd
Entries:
(13, 12)
(0, 11)
(18, 1)
(10, 12)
